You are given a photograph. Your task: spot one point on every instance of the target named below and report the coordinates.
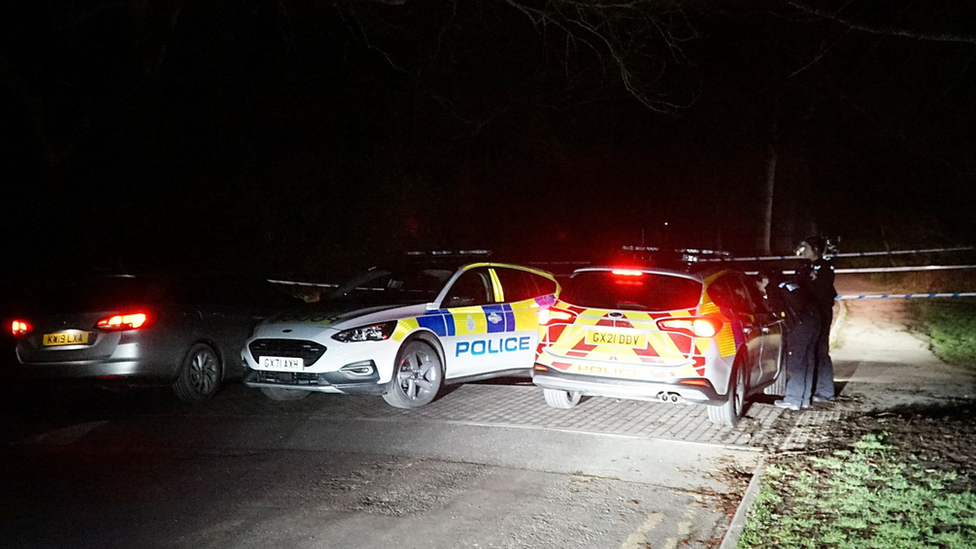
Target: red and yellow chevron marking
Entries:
(646, 344)
(725, 338)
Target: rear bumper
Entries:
(628, 389)
(91, 369)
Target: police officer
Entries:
(816, 279)
(801, 331)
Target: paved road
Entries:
(487, 465)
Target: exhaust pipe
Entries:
(669, 397)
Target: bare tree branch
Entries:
(885, 31)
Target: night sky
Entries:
(295, 136)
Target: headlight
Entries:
(373, 332)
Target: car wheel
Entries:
(561, 399)
(199, 376)
(416, 377)
(729, 412)
(280, 394)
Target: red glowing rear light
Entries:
(627, 272)
(704, 326)
(20, 327)
(128, 321)
(696, 382)
(549, 316)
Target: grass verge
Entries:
(951, 327)
(870, 496)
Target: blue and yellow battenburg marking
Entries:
(494, 319)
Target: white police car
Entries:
(404, 331)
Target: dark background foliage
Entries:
(292, 137)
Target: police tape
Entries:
(906, 296)
(846, 254)
(865, 270)
(908, 269)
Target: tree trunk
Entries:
(768, 198)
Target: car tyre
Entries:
(561, 399)
(280, 394)
(417, 376)
(729, 412)
(200, 374)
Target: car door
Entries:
(731, 294)
(468, 348)
(771, 326)
(763, 340)
(521, 295)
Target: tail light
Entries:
(703, 326)
(549, 316)
(127, 321)
(627, 272)
(20, 327)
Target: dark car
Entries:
(183, 330)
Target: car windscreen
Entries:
(90, 295)
(396, 286)
(643, 291)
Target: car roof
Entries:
(702, 273)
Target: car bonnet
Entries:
(341, 316)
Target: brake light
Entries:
(627, 272)
(20, 327)
(130, 321)
(548, 316)
(696, 382)
(705, 326)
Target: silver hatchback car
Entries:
(183, 330)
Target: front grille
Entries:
(286, 378)
(308, 351)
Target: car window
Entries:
(730, 292)
(394, 286)
(93, 294)
(647, 291)
(516, 284)
(543, 285)
(470, 289)
(228, 291)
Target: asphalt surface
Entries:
(474, 440)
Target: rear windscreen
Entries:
(93, 295)
(645, 292)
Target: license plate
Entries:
(281, 363)
(622, 339)
(65, 338)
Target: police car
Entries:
(652, 333)
(403, 331)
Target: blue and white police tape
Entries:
(846, 254)
(908, 269)
(907, 296)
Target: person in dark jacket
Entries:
(801, 331)
(816, 279)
